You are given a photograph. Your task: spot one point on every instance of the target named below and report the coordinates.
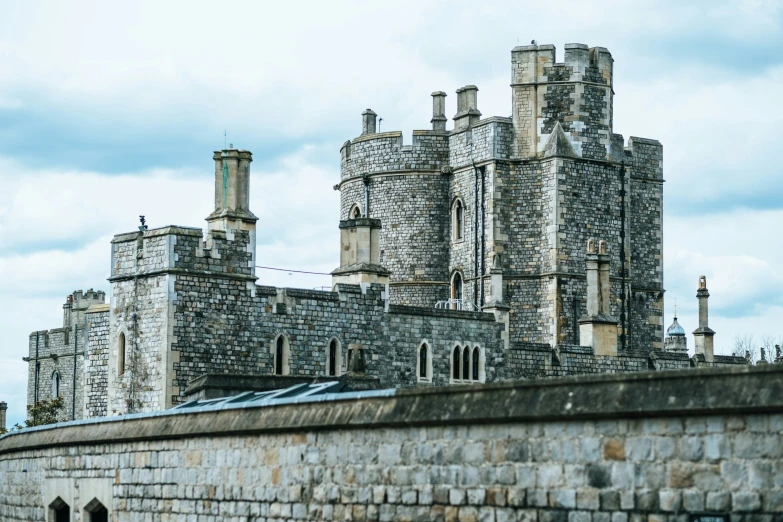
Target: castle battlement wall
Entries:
(647, 446)
(384, 152)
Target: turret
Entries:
(576, 93)
(676, 341)
(77, 303)
(703, 334)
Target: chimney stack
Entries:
(369, 122)
(360, 254)
(3, 408)
(703, 334)
(467, 107)
(438, 111)
(598, 328)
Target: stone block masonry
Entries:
(636, 447)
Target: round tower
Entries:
(404, 187)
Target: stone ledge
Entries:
(691, 392)
(185, 272)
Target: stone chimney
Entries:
(3, 408)
(232, 192)
(438, 111)
(703, 334)
(467, 107)
(369, 122)
(360, 254)
(598, 328)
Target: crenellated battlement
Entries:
(534, 64)
(386, 152)
(173, 249)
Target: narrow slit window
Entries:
(333, 357)
(121, 355)
(423, 361)
(455, 362)
(476, 357)
(466, 363)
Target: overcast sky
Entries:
(109, 110)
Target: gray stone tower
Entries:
(154, 270)
(77, 304)
(498, 210)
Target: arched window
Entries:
(121, 355)
(424, 362)
(455, 359)
(96, 512)
(356, 212)
(457, 220)
(466, 363)
(456, 291)
(476, 358)
(334, 358)
(59, 511)
(280, 355)
(55, 384)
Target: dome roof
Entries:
(675, 328)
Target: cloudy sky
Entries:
(109, 110)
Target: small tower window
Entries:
(424, 362)
(466, 364)
(334, 358)
(456, 291)
(476, 357)
(121, 355)
(457, 219)
(356, 212)
(55, 385)
(280, 354)
(455, 360)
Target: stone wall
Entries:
(52, 353)
(653, 447)
(96, 371)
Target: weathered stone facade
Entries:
(651, 447)
(534, 188)
(496, 213)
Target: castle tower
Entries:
(576, 93)
(676, 341)
(521, 195)
(155, 269)
(402, 189)
(77, 304)
(703, 334)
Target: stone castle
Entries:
(505, 248)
